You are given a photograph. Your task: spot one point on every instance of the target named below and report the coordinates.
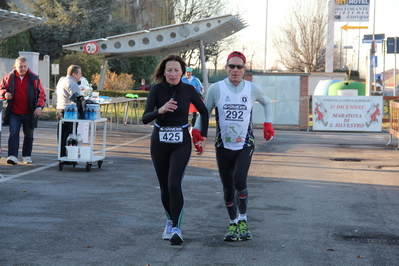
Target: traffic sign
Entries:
(369, 38)
(374, 61)
(90, 48)
(392, 45)
(370, 41)
(55, 69)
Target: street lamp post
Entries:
(371, 62)
(264, 65)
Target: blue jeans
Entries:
(13, 140)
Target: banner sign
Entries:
(55, 69)
(347, 113)
(351, 10)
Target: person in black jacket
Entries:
(168, 104)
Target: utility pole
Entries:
(371, 61)
(267, 11)
(330, 38)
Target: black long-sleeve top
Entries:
(183, 94)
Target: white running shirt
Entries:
(234, 113)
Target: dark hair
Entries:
(73, 69)
(159, 76)
(20, 59)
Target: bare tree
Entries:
(146, 14)
(301, 42)
(221, 46)
(254, 53)
(189, 10)
(154, 13)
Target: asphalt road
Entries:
(315, 198)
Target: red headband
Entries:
(237, 54)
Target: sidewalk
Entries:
(315, 198)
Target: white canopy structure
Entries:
(12, 23)
(163, 40)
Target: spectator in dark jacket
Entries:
(25, 100)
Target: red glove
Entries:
(197, 137)
(268, 131)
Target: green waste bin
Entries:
(334, 89)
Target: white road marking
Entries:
(3, 179)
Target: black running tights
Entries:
(233, 170)
(170, 162)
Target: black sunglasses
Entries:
(235, 66)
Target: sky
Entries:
(254, 13)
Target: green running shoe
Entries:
(243, 232)
(232, 233)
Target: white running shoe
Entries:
(167, 233)
(12, 160)
(27, 160)
(177, 238)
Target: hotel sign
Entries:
(351, 10)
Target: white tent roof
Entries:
(12, 23)
(167, 39)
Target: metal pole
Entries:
(374, 46)
(340, 53)
(371, 54)
(383, 69)
(329, 68)
(203, 66)
(358, 52)
(264, 67)
(103, 75)
(346, 51)
(372, 78)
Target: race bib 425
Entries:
(171, 134)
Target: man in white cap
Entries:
(233, 100)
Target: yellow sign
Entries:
(346, 27)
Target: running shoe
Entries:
(167, 233)
(27, 160)
(243, 232)
(232, 233)
(12, 160)
(177, 238)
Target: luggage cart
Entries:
(88, 157)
